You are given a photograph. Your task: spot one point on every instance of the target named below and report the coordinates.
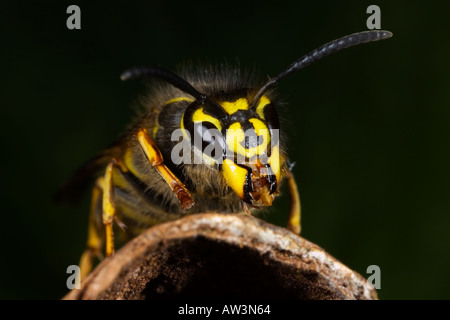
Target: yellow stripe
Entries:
(263, 101)
(232, 107)
(155, 130)
(200, 116)
(261, 130)
(236, 136)
(275, 162)
(128, 160)
(178, 99)
(118, 178)
(235, 176)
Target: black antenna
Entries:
(173, 79)
(321, 52)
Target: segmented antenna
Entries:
(321, 52)
(173, 79)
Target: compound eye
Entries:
(212, 143)
(204, 126)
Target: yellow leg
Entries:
(156, 161)
(109, 208)
(295, 211)
(94, 242)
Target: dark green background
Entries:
(369, 126)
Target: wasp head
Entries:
(244, 141)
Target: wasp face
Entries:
(245, 141)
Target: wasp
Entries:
(227, 157)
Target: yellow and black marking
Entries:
(246, 134)
(137, 183)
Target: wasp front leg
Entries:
(295, 210)
(155, 158)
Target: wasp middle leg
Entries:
(95, 240)
(102, 206)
